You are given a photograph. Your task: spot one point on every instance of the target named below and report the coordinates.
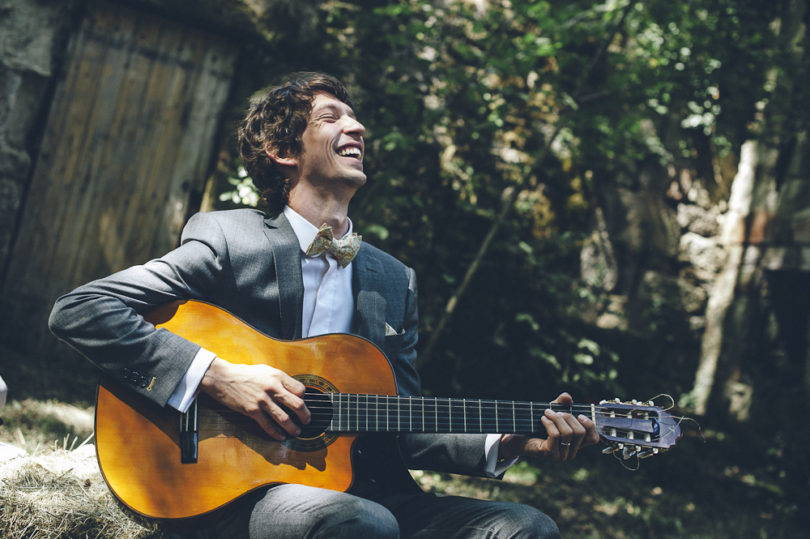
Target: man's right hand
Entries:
(261, 392)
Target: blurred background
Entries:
(609, 198)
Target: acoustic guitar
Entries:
(167, 465)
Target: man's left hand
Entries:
(566, 436)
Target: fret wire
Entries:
(423, 413)
(436, 412)
(340, 410)
(480, 422)
(514, 427)
(497, 429)
(410, 414)
(464, 406)
(450, 414)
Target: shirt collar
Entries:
(304, 230)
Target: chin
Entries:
(357, 180)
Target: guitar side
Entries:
(138, 443)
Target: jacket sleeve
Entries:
(452, 453)
(104, 321)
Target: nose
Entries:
(353, 126)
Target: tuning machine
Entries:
(629, 452)
(647, 453)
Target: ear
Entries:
(287, 161)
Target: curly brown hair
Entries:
(275, 124)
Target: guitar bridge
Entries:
(189, 428)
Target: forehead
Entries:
(326, 101)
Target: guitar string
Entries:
(444, 405)
(522, 409)
(485, 427)
(357, 414)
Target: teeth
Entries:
(350, 151)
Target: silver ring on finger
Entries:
(565, 444)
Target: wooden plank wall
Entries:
(128, 140)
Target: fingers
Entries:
(562, 439)
(267, 395)
(566, 433)
(591, 436)
(282, 404)
(564, 398)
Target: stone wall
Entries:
(34, 35)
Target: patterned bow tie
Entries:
(344, 249)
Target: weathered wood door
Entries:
(124, 153)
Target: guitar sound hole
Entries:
(314, 436)
(320, 406)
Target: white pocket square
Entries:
(389, 331)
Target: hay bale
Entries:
(61, 494)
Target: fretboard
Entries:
(384, 413)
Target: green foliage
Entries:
(465, 102)
(244, 193)
(562, 103)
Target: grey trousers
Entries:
(297, 511)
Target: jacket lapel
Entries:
(290, 284)
(370, 305)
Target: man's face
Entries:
(332, 144)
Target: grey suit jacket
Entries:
(250, 265)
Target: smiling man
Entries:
(298, 270)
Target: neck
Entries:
(322, 207)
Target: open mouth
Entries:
(351, 151)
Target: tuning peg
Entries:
(628, 453)
(609, 450)
(647, 453)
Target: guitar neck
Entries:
(385, 413)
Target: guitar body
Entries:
(138, 443)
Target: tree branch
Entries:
(509, 197)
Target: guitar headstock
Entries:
(637, 429)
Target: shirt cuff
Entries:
(495, 466)
(186, 390)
